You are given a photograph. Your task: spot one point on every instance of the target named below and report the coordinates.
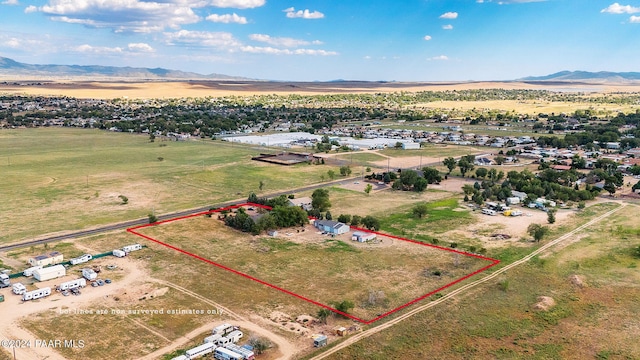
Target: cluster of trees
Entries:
(465, 164)
(368, 221)
(278, 217)
(409, 180)
(552, 184)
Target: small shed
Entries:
(341, 331)
(361, 236)
(319, 341)
(272, 233)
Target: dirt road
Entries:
(461, 290)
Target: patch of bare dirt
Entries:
(577, 280)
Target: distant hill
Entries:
(9, 67)
(601, 76)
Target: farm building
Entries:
(303, 202)
(361, 236)
(49, 273)
(410, 146)
(332, 227)
(52, 258)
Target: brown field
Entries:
(175, 89)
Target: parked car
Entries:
(94, 284)
(100, 282)
(108, 281)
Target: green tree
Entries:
(465, 166)
(124, 199)
(323, 314)
(499, 160)
(344, 306)
(260, 344)
(368, 188)
(261, 185)
(432, 175)
(345, 170)
(320, 200)
(356, 220)
(420, 185)
(482, 172)
(551, 216)
(610, 187)
(344, 218)
(328, 215)
(370, 223)
(450, 163)
(420, 210)
(537, 231)
(152, 219)
(331, 174)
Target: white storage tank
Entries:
(49, 273)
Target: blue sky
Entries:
(408, 40)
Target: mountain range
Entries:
(601, 76)
(9, 67)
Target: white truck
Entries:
(36, 294)
(18, 289)
(77, 283)
(29, 272)
(4, 281)
(81, 259)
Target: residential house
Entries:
(331, 227)
(303, 202)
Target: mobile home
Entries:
(223, 329)
(224, 354)
(81, 259)
(51, 258)
(77, 283)
(130, 248)
(49, 273)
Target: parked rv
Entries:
(119, 253)
(235, 336)
(36, 294)
(29, 272)
(488, 212)
(89, 274)
(130, 248)
(81, 259)
(201, 350)
(77, 283)
(223, 329)
(18, 289)
(225, 354)
(4, 281)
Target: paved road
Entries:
(130, 223)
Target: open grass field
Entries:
(593, 281)
(68, 179)
(337, 269)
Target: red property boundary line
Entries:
(494, 262)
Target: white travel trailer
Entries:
(119, 253)
(89, 274)
(49, 273)
(77, 283)
(29, 272)
(36, 294)
(223, 329)
(235, 336)
(130, 248)
(81, 259)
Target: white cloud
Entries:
(449, 15)
(10, 2)
(88, 49)
(30, 9)
(367, 57)
(304, 14)
(427, 37)
(223, 40)
(616, 8)
(227, 18)
(237, 4)
(634, 19)
(140, 47)
(121, 15)
(12, 43)
(447, 27)
(281, 41)
(275, 51)
(441, 58)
